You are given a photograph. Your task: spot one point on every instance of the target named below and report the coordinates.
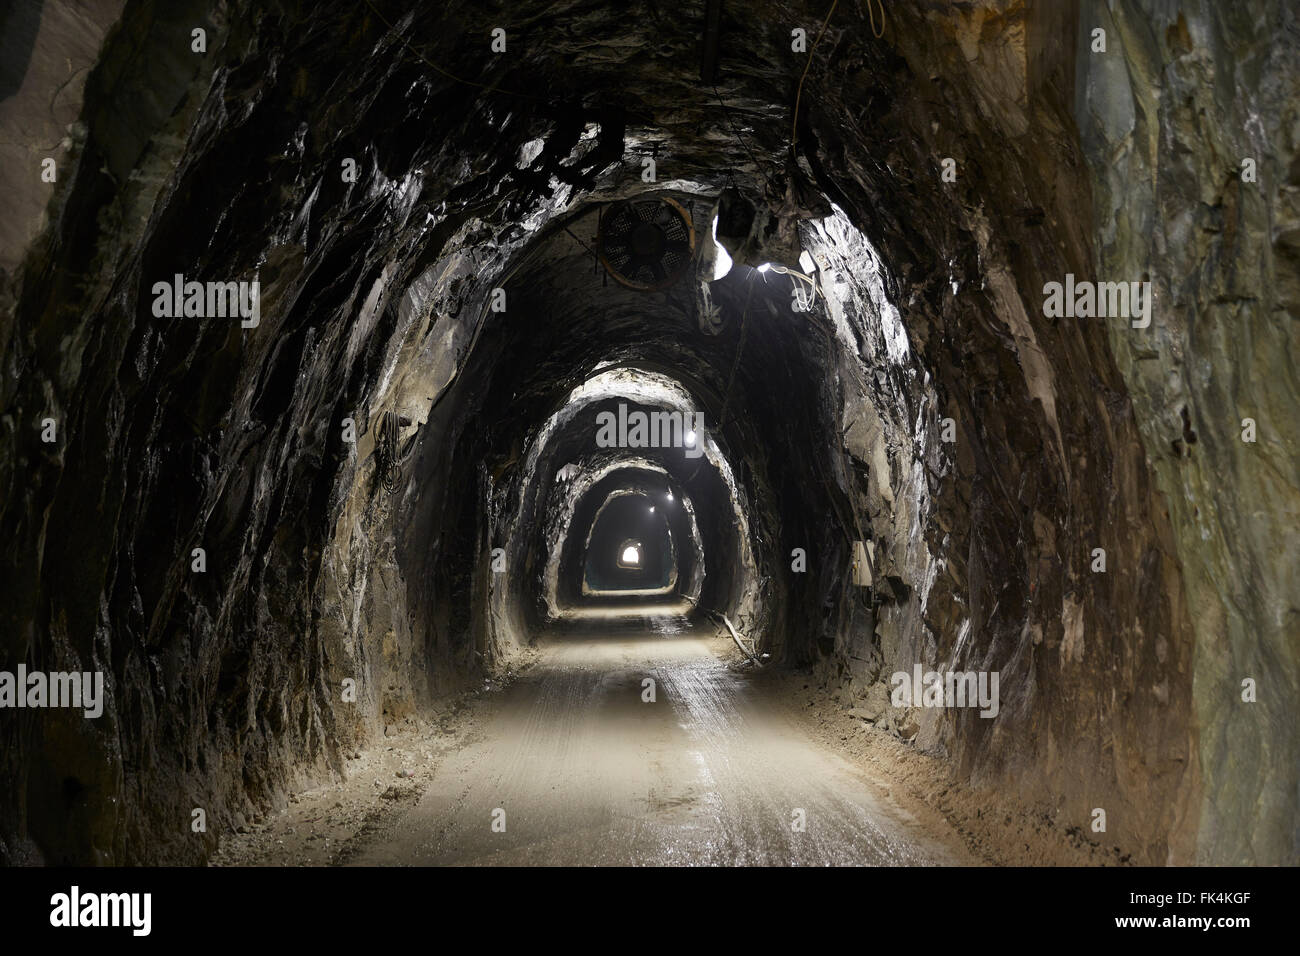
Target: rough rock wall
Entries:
(1124, 689)
(1047, 462)
(1190, 123)
(221, 687)
(70, 506)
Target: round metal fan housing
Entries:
(646, 244)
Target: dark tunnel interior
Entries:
(630, 547)
(380, 362)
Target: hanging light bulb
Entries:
(721, 258)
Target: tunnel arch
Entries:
(574, 517)
(654, 568)
(624, 476)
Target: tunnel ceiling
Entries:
(927, 404)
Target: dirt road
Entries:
(571, 766)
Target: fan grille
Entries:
(646, 243)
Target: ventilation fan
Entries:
(646, 244)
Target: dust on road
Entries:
(582, 771)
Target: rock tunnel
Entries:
(347, 347)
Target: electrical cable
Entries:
(812, 283)
(798, 93)
(794, 123)
(741, 139)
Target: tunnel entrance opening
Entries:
(630, 554)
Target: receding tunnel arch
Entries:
(577, 506)
(730, 386)
(654, 486)
(567, 439)
(628, 519)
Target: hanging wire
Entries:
(872, 13)
(590, 251)
(731, 379)
(794, 273)
(741, 139)
(798, 93)
(735, 363)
